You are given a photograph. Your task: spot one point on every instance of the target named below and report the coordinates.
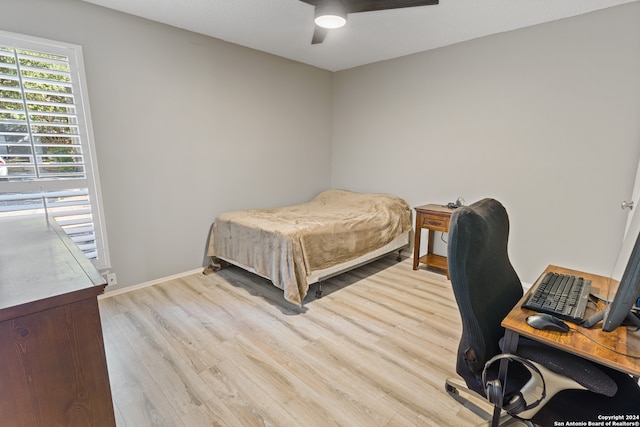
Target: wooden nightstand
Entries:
(432, 218)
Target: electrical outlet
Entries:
(112, 279)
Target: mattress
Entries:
(291, 245)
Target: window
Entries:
(47, 157)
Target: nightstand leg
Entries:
(416, 246)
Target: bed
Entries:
(296, 246)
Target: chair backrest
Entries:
(485, 285)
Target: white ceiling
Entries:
(284, 27)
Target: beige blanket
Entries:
(286, 244)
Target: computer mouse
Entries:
(547, 322)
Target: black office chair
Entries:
(486, 288)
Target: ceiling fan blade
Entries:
(318, 35)
(355, 6)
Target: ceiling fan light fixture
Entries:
(330, 15)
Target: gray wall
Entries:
(185, 127)
(546, 119)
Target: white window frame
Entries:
(79, 86)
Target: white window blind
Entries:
(46, 141)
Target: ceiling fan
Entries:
(330, 14)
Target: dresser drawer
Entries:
(435, 222)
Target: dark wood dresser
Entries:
(53, 370)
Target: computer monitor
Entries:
(626, 296)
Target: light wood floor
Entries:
(228, 350)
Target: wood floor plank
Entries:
(168, 371)
(349, 407)
(138, 401)
(227, 350)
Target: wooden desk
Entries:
(623, 340)
(52, 362)
(432, 218)
(578, 340)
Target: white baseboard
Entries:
(125, 289)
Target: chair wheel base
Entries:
(457, 389)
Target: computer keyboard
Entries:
(561, 295)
